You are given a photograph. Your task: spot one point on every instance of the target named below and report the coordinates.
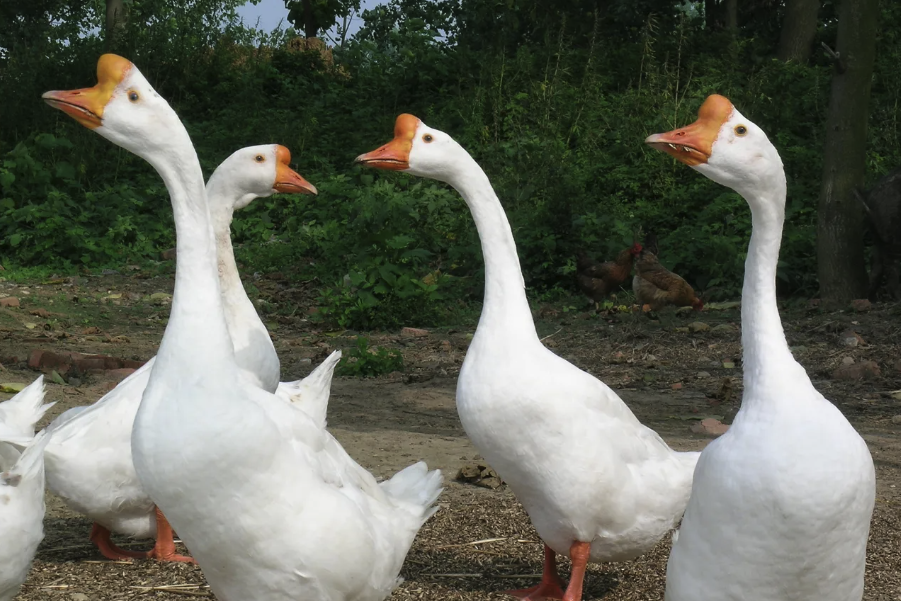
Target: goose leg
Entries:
(100, 536)
(579, 554)
(550, 587)
(164, 548)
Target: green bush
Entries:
(364, 361)
(48, 217)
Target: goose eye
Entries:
(133, 96)
(427, 138)
(741, 130)
(259, 158)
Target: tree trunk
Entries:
(709, 14)
(732, 16)
(310, 26)
(840, 223)
(115, 24)
(798, 30)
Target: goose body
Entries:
(240, 473)
(782, 502)
(89, 460)
(21, 514)
(597, 484)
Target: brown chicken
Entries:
(656, 287)
(597, 280)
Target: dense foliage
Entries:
(554, 104)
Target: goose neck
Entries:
(196, 318)
(505, 306)
(768, 362)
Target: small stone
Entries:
(861, 304)
(728, 365)
(710, 427)
(133, 296)
(9, 301)
(896, 419)
(677, 386)
(857, 371)
(469, 472)
(74, 382)
(491, 482)
(847, 360)
(703, 374)
(413, 333)
(698, 326)
(30, 325)
(78, 597)
(160, 298)
(305, 361)
(851, 338)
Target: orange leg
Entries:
(164, 549)
(579, 554)
(550, 587)
(100, 536)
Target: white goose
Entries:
(89, 462)
(597, 484)
(241, 178)
(782, 502)
(237, 470)
(21, 514)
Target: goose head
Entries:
(124, 108)
(418, 149)
(724, 146)
(255, 172)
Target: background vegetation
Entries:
(553, 101)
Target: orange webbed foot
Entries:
(164, 549)
(550, 587)
(100, 536)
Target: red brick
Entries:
(413, 333)
(34, 360)
(710, 427)
(9, 301)
(119, 374)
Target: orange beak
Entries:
(86, 105)
(395, 155)
(693, 144)
(288, 181)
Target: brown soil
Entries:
(389, 422)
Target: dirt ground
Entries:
(480, 542)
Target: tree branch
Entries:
(836, 57)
